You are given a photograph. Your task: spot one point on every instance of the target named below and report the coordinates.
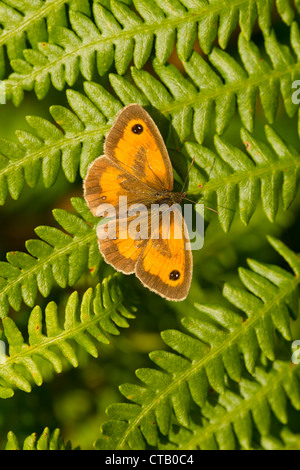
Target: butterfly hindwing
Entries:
(166, 264)
(119, 248)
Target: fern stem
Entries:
(65, 142)
(246, 405)
(41, 13)
(192, 15)
(234, 87)
(203, 95)
(258, 172)
(63, 336)
(59, 252)
(283, 293)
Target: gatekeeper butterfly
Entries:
(136, 164)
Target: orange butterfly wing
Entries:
(135, 142)
(122, 252)
(106, 181)
(166, 264)
(136, 164)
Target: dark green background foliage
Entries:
(93, 359)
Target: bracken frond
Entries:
(212, 350)
(46, 441)
(269, 172)
(288, 440)
(119, 34)
(29, 22)
(79, 138)
(56, 257)
(101, 311)
(227, 423)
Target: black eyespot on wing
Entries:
(174, 275)
(137, 129)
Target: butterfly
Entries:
(136, 164)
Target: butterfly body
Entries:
(168, 197)
(136, 164)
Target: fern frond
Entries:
(269, 170)
(191, 104)
(57, 256)
(26, 22)
(119, 35)
(101, 311)
(46, 441)
(228, 424)
(213, 349)
(49, 148)
(188, 101)
(288, 441)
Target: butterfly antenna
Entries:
(206, 207)
(187, 175)
(210, 208)
(190, 200)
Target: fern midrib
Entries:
(192, 15)
(256, 172)
(233, 87)
(66, 141)
(212, 354)
(203, 95)
(57, 252)
(247, 405)
(41, 13)
(60, 144)
(70, 333)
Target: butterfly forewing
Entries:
(107, 181)
(136, 144)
